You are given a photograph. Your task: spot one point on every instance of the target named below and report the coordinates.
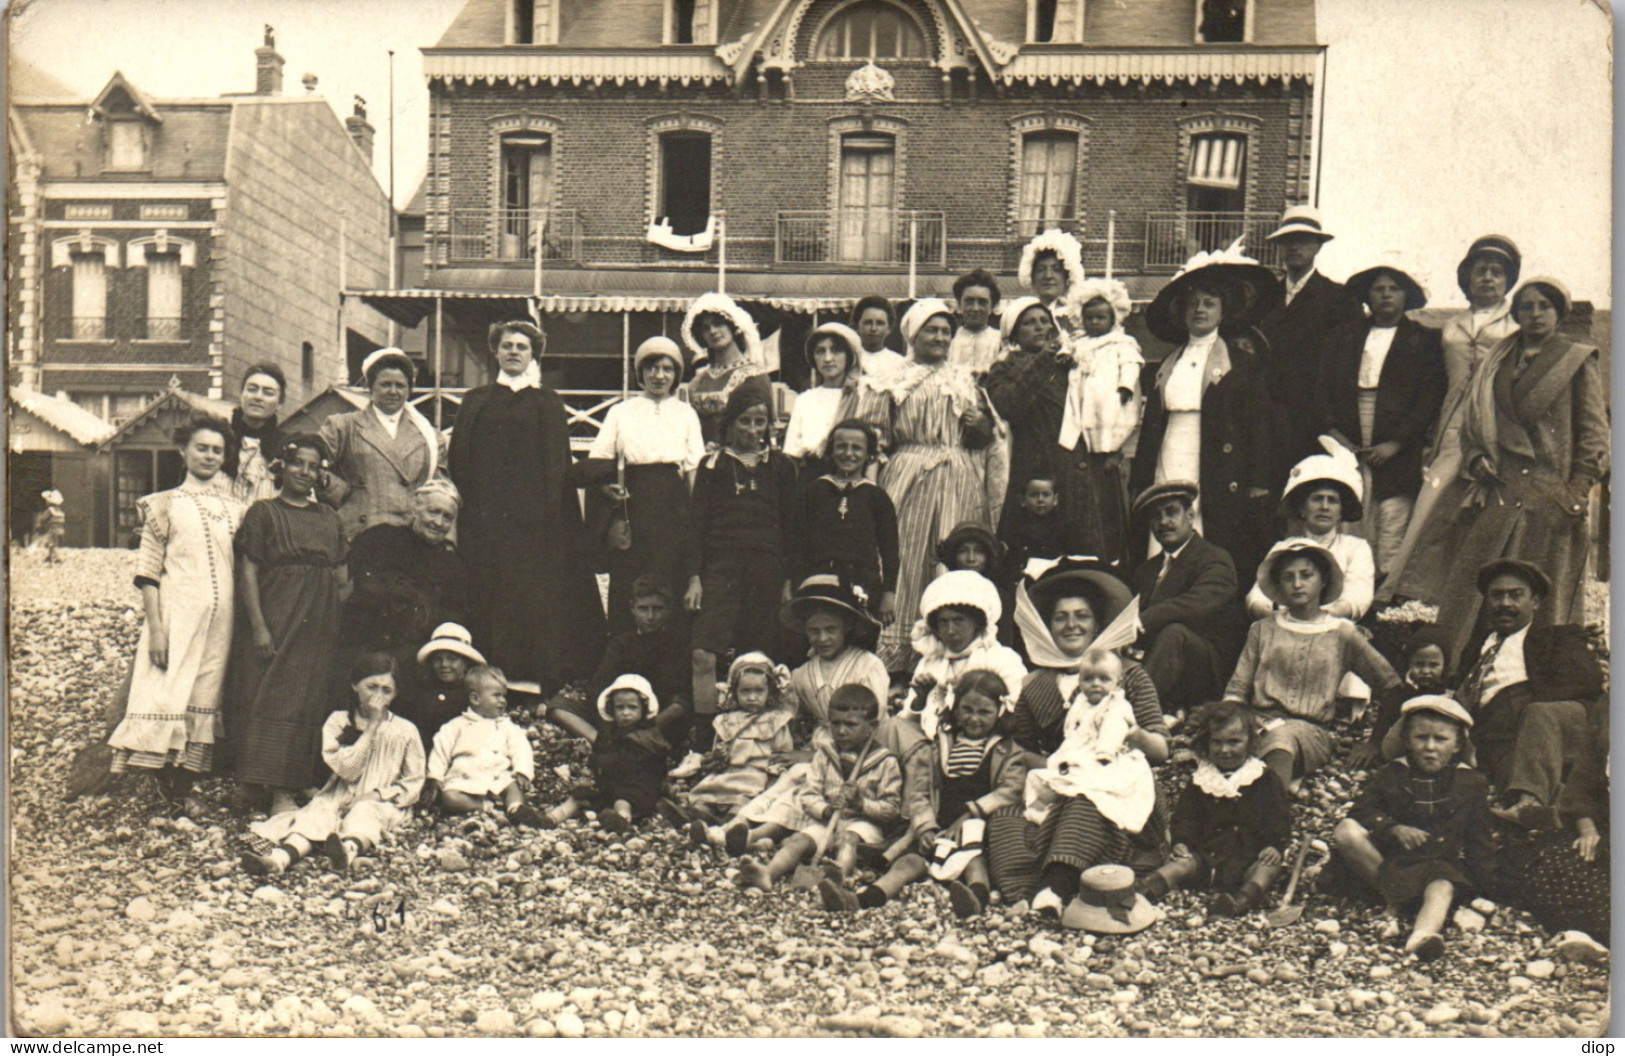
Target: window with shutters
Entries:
(868, 171)
(163, 296)
(1216, 179)
(684, 197)
(89, 297)
(527, 192)
(1049, 166)
(871, 29)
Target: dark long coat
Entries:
(1298, 334)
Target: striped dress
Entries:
(173, 717)
(1075, 833)
(935, 482)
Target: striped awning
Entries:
(555, 66)
(1124, 65)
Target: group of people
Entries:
(1009, 557)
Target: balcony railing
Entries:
(1172, 238)
(888, 237)
(163, 328)
(512, 234)
(89, 327)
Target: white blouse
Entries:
(811, 419)
(648, 432)
(1377, 343)
(1183, 390)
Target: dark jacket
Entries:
(1298, 334)
(1230, 832)
(1560, 667)
(1410, 391)
(1236, 447)
(1199, 592)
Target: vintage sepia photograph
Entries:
(808, 518)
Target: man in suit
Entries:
(1189, 613)
(1535, 694)
(1381, 384)
(1297, 328)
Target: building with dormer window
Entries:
(615, 156)
(158, 239)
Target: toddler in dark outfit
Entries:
(442, 697)
(745, 501)
(629, 757)
(1421, 828)
(1035, 528)
(1233, 821)
(1425, 661)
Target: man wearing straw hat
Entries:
(1311, 309)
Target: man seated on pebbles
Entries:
(1535, 694)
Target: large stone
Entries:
(1541, 969)
(498, 1023)
(569, 1025)
(141, 909)
(1439, 1015)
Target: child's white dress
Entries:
(1094, 411)
(374, 781)
(478, 756)
(1095, 761)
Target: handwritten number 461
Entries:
(380, 916)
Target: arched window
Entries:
(871, 29)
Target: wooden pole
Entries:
(439, 355)
(1111, 241)
(722, 251)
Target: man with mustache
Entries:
(1191, 621)
(1534, 694)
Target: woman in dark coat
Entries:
(409, 579)
(1028, 387)
(1380, 388)
(536, 612)
(1534, 441)
(1207, 417)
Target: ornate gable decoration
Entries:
(870, 84)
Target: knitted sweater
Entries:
(1295, 667)
(740, 508)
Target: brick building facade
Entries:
(835, 148)
(186, 238)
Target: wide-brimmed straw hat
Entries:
(1338, 468)
(1360, 284)
(1301, 220)
(1297, 547)
(451, 638)
(826, 591)
(1087, 577)
(1246, 285)
(1107, 903)
(1496, 247)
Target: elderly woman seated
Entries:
(408, 579)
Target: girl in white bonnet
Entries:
(1102, 404)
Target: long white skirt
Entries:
(1181, 458)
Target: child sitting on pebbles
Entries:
(377, 763)
(960, 614)
(979, 769)
(1233, 821)
(442, 696)
(753, 728)
(1421, 828)
(481, 756)
(853, 792)
(1095, 760)
(630, 756)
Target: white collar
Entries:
(1200, 346)
(1294, 288)
(1216, 782)
(1176, 551)
(391, 420)
(530, 378)
(1516, 636)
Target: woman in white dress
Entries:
(835, 354)
(184, 572)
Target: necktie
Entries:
(1162, 573)
(1473, 688)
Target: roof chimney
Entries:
(360, 131)
(267, 66)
